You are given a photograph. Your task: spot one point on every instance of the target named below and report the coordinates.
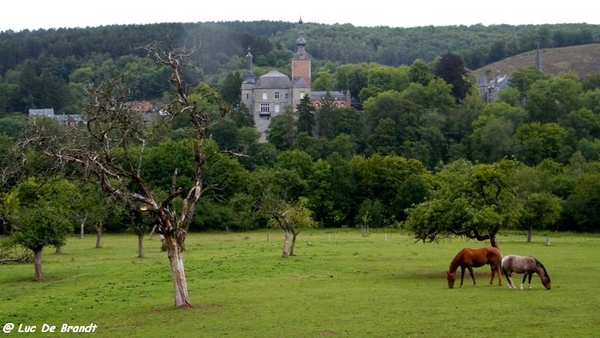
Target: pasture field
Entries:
(343, 285)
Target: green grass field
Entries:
(343, 285)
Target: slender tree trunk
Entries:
(98, 236)
(140, 245)
(37, 262)
(177, 270)
(152, 231)
(493, 241)
(286, 241)
(293, 246)
(58, 249)
(82, 227)
(529, 234)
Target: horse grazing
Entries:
(474, 258)
(525, 265)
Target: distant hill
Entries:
(583, 60)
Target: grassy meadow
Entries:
(342, 285)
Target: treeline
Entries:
(418, 155)
(43, 68)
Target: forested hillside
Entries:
(420, 148)
(47, 68)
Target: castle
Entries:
(489, 89)
(268, 96)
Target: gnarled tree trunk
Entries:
(294, 235)
(140, 245)
(98, 236)
(286, 242)
(37, 263)
(175, 252)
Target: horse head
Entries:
(451, 276)
(546, 282)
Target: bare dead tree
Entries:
(111, 148)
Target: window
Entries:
(264, 96)
(286, 96)
(276, 95)
(247, 96)
(264, 108)
(276, 108)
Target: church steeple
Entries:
(249, 75)
(300, 44)
(301, 60)
(538, 58)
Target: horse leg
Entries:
(496, 270)
(530, 274)
(462, 276)
(472, 275)
(524, 278)
(499, 275)
(508, 277)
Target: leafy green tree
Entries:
(291, 219)
(282, 130)
(541, 208)
(240, 114)
(535, 142)
(353, 77)
(343, 188)
(225, 133)
(385, 178)
(326, 122)
(306, 116)
(349, 122)
(383, 139)
(322, 82)
(420, 72)
(582, 204)
(524, 78)
(40, 213)
(111, 149)
(491, 139)
(230, 88)
(383, 79)
(451, 68)
(550, 100)
(581, 124)
(473, 201)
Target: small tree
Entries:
(292, 218)
(112, 147)
(40, 213)
(541, 210)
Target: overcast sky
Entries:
(17, 15)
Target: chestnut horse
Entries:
(525, 265)
(474, 258)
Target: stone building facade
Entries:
(267, 96)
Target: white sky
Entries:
(17, 15)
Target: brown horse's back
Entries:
(482, 256)
(494, 256)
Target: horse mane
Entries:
(540, 265)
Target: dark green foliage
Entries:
(306, 116)
(451, 68)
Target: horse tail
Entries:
(504, 268)
(540, 265)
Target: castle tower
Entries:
(301, 60)
(538, 58)
(249, 83)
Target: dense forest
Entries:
(45, 68)
(420, 149)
